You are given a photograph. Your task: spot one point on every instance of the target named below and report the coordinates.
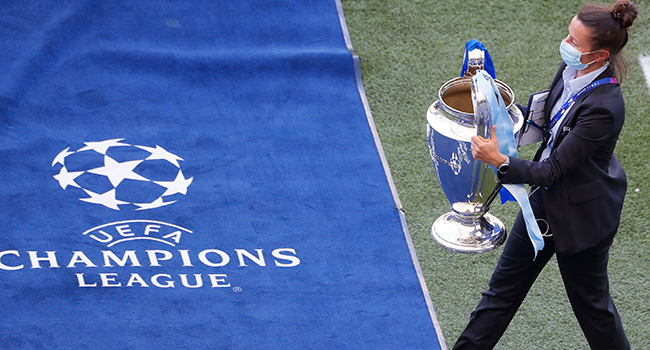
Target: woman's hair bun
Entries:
(624, 12)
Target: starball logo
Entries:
(135, 176)
(124, 177)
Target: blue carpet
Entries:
(195, 175)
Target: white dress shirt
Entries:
(572, 85)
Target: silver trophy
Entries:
(470, 185)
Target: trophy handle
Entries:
(483, 125)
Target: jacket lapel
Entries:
(570, 119)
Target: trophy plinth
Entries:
(467, 229)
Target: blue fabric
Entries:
(194, 175)
(506, 196)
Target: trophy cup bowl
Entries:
(461, 112)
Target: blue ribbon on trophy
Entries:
(508, 146)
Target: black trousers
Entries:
(585, 279)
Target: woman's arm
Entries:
(594, 125)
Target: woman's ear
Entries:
(603, 56)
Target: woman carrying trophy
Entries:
(578, 186)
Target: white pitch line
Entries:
(645, 65)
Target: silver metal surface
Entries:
(484, 234)
(470, 186)
(475, 61)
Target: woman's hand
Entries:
(487, 150)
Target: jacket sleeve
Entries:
(594, 124)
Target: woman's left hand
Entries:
(487, 150)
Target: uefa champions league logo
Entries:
(118, 175)
(121, 176)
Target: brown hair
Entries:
(610, 26)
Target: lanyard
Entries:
(570, 101)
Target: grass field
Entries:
(407, 50)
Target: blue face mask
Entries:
(571, 56)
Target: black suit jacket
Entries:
(585, 182)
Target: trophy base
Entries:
(481, 234)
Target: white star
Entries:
(161, 153)
(67, 179)
(179, 185)
(117, 171)
(155, 204)
(106, 199)
(102, 146)
(60, 158)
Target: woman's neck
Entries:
(594, 66)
